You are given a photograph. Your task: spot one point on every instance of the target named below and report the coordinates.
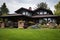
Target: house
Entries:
(24, 18)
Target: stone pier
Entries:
(2, 25)
(20, 24)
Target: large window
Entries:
(11, 24)
(42, 21)
(48, 19)
(45, 20)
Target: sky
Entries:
(14, 5)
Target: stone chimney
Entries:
(30, 8)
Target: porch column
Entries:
(20, 24)
(47, 20)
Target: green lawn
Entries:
(29, 34)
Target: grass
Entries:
(29, 34)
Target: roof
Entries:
(36, 16)
(44, 16)
(17, 11)
(43, 9)
(38, 9)
(13, 15)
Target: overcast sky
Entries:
(13, 5)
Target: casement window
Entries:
(23, 13)
(50, 20)
(45, 12)
(40, 21)
(41, 13)
(38, 13)
(28, 14)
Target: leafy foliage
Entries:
(57, 9)
(42, 5)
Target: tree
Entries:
(4, 9)
(42, 5)
(57, 9)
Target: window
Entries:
(45, 19)
(41, 12)
(50, 19)
(40, 21)
(27, 13)
(45, 12)
(23, 13)
(38, 13)
(53, 20)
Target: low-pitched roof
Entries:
(33, 11)
(36, 16)
(17, 11)
(13, 15)
(44, 16)
(43, 9)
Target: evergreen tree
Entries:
(4, 9)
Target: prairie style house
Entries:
(24, 18)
